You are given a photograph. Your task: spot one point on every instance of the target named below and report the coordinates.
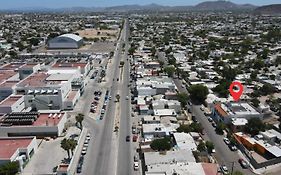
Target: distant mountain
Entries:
(150, 7)
(269, 9)
(221, 5)
(204, 6)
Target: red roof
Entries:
(10, 100)
(10, 145)
(11, 66)
(48, 119)
(220, 110)
(210, 168)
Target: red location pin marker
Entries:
(236, 94)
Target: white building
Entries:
(66, 41)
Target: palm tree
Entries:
(79, 119)
(118, 97)
(66, 146)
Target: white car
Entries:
(224, 169)
(127, 97)
(226, 140)
(136, 166)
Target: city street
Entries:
(101, 148)
(124, 163)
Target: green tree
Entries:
(10, 168)
(66, 146)
(196, 127)
(122, 63)
(161, 144)
(255, 102)
(267, 89)
(210, 146)
(170, 70)
(254, 75)
(237, 173)
(117, 97)
(79, 119)
(222, 88)
(220, 127)
(254, 126)
(183, 98)
(184, 128)
(198, 93)
(131, 50)
(201, 146)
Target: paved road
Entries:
(223, 154)
(124, 166)
(99, 159)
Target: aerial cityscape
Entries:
(140, 87)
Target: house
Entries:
(225, 112)
(17, 149)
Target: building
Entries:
(225, 112)
(66, 41)
(12, 104)
(46, 123)
(17, 149)
(260, 150)
(49, 91)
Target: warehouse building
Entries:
(66, 41)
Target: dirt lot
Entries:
(94, 33)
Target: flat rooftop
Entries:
(6, 74)
(65, 65)
(17, 119)
(37, 80)
(10, 145)
(48, 119)
(10, 100)
(236, 108)
(8, 84)
(11, 66)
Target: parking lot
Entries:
(51, 152)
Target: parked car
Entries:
(224, 169)
(210, 119)
(226, 141)
(135, 158)
(83, 152)
(214, 124)
(127, 138)
(135, 138)
(243, 163)
(136, 166)
(127, 97)
(79, 168)
(232, 147)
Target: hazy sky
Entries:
(8, 4)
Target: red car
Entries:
(135, 138)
